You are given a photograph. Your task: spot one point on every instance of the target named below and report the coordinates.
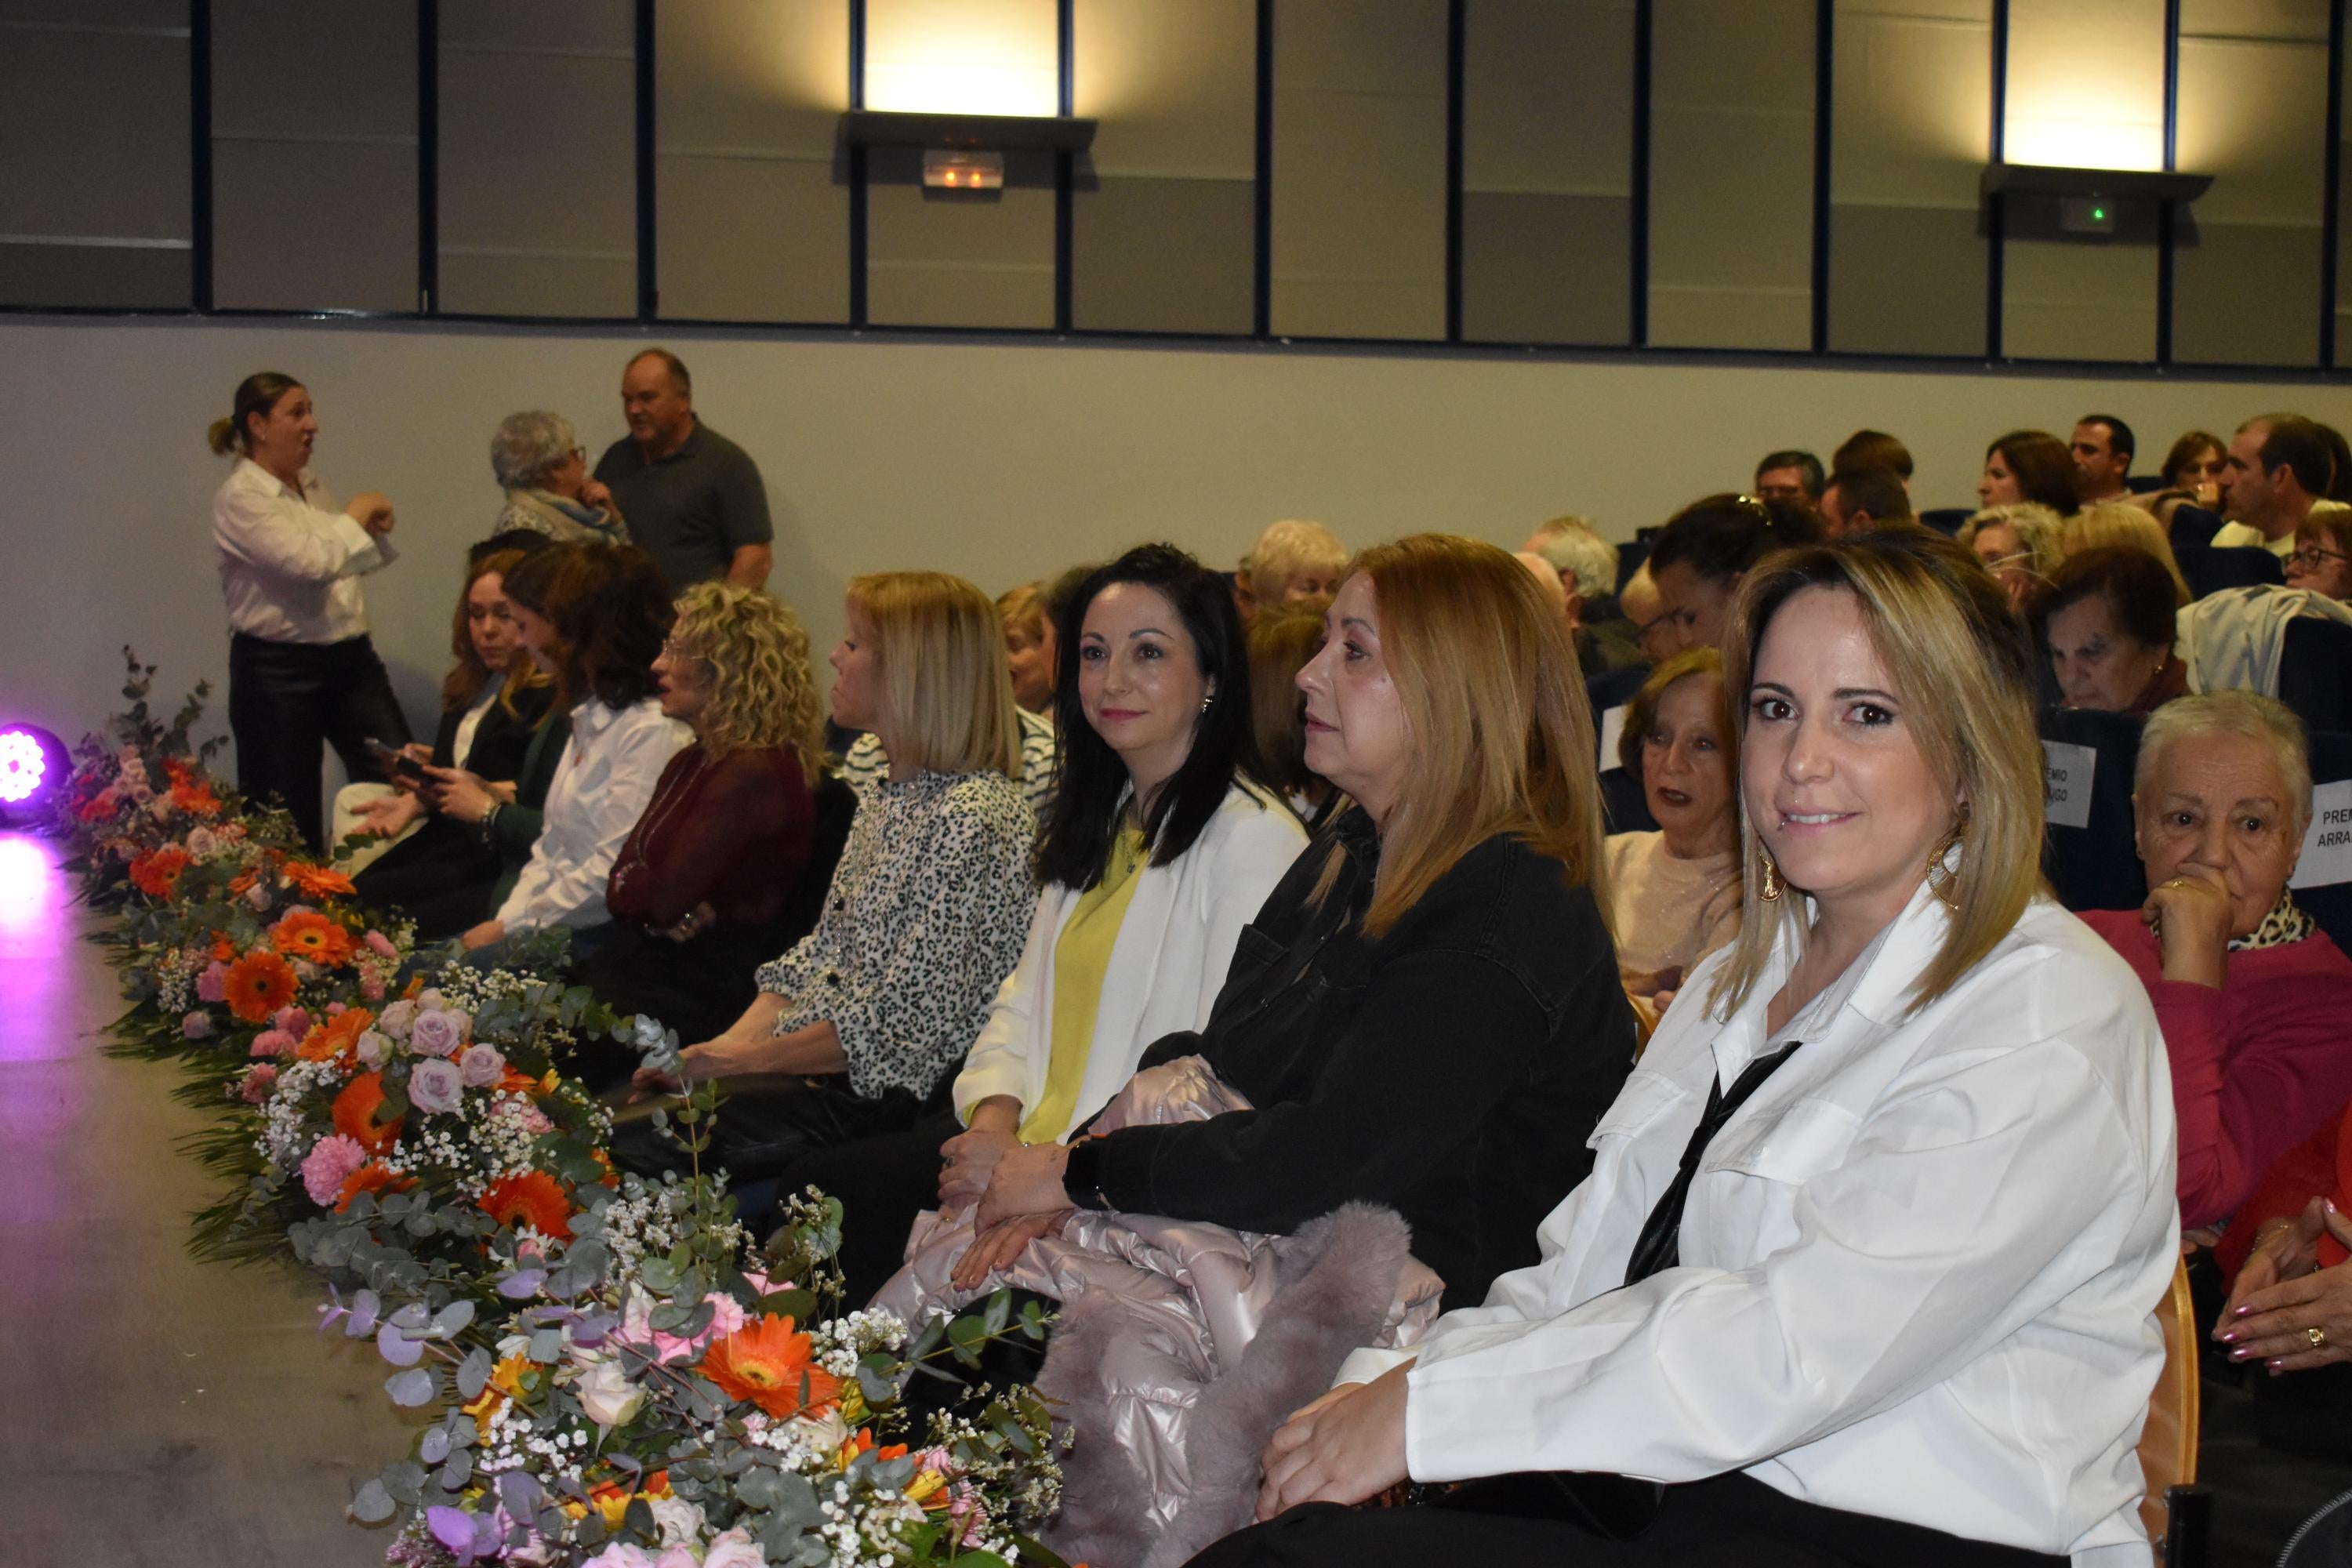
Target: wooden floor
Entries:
(153, 1410)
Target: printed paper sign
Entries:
(2068, 770)
(1612, 725)
(2327, 843)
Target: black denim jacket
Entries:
(1452, 1070)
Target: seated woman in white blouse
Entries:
(865, 1018)
(1892, 1303)
(599, 627)
(1164, 842)
(1673, 894)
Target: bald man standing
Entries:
(694, 498)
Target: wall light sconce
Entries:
(952, 133)
(947, 171)
(2110, 203)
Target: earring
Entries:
(1942, 878)
(1207, 702)
(1770, 891)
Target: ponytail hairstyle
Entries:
(257, 393)
(1722, 536)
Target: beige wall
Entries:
(1001, 461)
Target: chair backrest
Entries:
(2088, 850)
(2167, 1444)
(836, 805)
(1624, 807)
(1946, 519)
(2208, 571)
(1630, 556)
(2314, 675)
(2193, 528)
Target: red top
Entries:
(732, 832)
(2319, 1166)
(2256, 1065)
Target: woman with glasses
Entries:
(2322, 561)
(2020, 546)
(544, 471)
(697, 890)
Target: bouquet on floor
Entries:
(136, 787)
(645, 1394)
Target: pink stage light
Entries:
(24, 766)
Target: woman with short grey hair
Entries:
(539, 464)
(2250, 993)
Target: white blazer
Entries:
(1919, 1269)
(1167, 964)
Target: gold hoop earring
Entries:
(1942, 878)
(1770, 888)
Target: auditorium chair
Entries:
(2331, 763)
(2175, 1510)
(1624, 807)
(2096, 866)
(2208, 571)
(1945, 520)
(2314, 675)
(1630, 557)
(2193, 528)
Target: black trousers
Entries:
(761, 1131)
(1730, 1519)
(289, 701)
(883, 1183)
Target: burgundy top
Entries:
(731, 832)
(2256, 1065)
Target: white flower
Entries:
(824, 1433)
(679, 1522)
(371, 1048)
(605, 1392)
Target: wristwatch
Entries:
(1081, 1175)
(488, 824)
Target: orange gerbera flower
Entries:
(319, 881)
(769, 1365)
(372, 1177)
(258, 985)
(359, 1113)
(155, 873)
(336, 1037)
(223, 949)
(534, 1198)
(306, 933)
(241, 883)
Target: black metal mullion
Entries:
(1065, 167)
(200, 155)
(1824, 63)
(648, 278)
(2168, 213)
(1261, 191)
(1638, 322)
(857, 167)
(2332, 199)
(1996, 217)
(428, 156)
(1458, 31)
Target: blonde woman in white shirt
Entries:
(1163, 843)
(597, 616)
(1866, 1269)
(301, 669)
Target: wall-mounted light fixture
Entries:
(2110, 203)
(965, 152)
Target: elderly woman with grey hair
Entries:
(2250, 993)
(539, 464)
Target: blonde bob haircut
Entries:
(2120, 522)
(1963, 673)
(1494, 702)
(756, 655)
(946, 684)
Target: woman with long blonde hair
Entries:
(871, 1011)
(1888, 1202)
(701, 881)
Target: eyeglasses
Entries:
(677, 652)
(2310, 555)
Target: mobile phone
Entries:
(402, 767)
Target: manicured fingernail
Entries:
(2241, 1311)
(2226, 1336)
(2276, 1367)
(2332, 1208)
(2242, 1353)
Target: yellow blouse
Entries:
(1081, 958)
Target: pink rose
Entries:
(258, 1080)
(734, 1549)
(437, 1033)
(397, 1017)
(258, 897)
(196, 1025)
(212, 985)
(337, 1009)
(370, 1049)
(621, 1554)
(433, 1086)
(481, 1066)
(381, 944)
(201, 843)
(675, 1557)
(293, 1020)
(329, 1164)
(536, 1121)
(274, 1043)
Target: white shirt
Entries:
(289, 561)
(470, 722)
(2239, 535)
(1918, 1272)
(599, 790)
(1167, 964)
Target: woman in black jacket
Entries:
(1426, 1012)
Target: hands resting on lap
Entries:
(2282, 1294)
(1345, 1447)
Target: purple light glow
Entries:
(22, 766)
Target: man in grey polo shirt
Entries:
(693, 497)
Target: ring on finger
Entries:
(2317, 1336)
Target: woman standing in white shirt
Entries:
(301, 669)
(1163, 843)
(1866, 1266)
(599, 627)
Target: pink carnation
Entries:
(273, 1043)
(381, 944)
(212, 985)
(293, 1020)
(329, 1164)
(258, 1080)
(371, 985)
(196, 1025)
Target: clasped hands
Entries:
(1019, 1193)
(2282, 1294)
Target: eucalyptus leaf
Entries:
(434, 1446)
(546, 1345)
(999, 1311)
(373, 1504)
(454, 1474)
(473, 1373)
(398, 1348)
(414, 1387)
(520, 1492)
(452, 1318)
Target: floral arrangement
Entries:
(610, 1374)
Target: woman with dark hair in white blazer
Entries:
(1162, 844)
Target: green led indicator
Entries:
(2098, 215)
